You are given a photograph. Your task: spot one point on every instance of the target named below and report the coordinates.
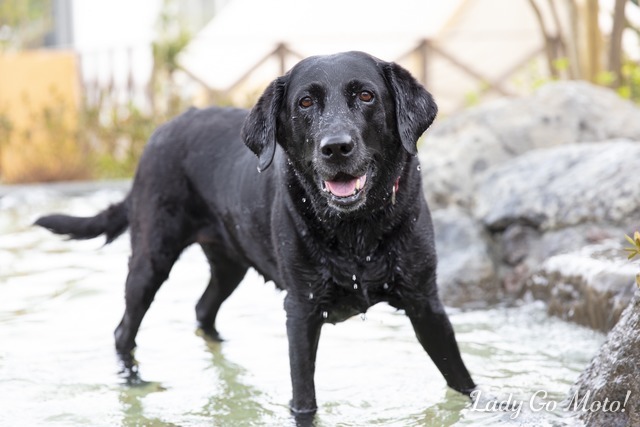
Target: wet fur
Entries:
(198, 183)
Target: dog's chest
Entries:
(369, 273)
(351, 286)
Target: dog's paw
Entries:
(302, 411)
(210, 334)
(304, 417)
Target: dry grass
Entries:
(43, 161)
(46, 148)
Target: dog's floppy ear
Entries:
(415, 107)
(259, 128)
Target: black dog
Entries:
(336, 217)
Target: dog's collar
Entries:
(394, 190)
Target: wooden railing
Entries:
(427, 51)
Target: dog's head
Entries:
(347, 123)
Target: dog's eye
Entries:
(365, 96)
(306, 102)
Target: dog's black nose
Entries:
(336, 146)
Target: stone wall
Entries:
(515, 183)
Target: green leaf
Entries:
(630, 240)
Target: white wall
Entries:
(113, 39)
(100, 24)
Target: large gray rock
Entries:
(466, 273)
(533, 178)
(591, 286)
(563, 186)
(520, 249)
(557, 200)
(612, 376)
(460, 149)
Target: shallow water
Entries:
(60, 301)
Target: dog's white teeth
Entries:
(358, 185)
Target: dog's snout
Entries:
(336, 146)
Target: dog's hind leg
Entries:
(156, 244)
(225, 277)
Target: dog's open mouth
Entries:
(345, 185)
(345, 189)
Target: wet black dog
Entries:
(334, 213)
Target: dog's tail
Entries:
(111, 222)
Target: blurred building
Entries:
(60, 56)
(462, 50)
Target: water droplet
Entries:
(304, 200)
(363, 316)
(311, 295)
(385, 286)
(418, 167)
(354, 277)
(368, 258)
(355, 286)
(325, 314)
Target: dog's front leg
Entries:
(434, 331)
(303, 332)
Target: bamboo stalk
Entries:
(615, 45)
(548, 45)
(594, 40)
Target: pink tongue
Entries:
(344, 188)
(341, 188)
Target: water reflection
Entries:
(131, 399)
(60, 301)
(446, 412)
(233, 399)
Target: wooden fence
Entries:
(118, 79)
